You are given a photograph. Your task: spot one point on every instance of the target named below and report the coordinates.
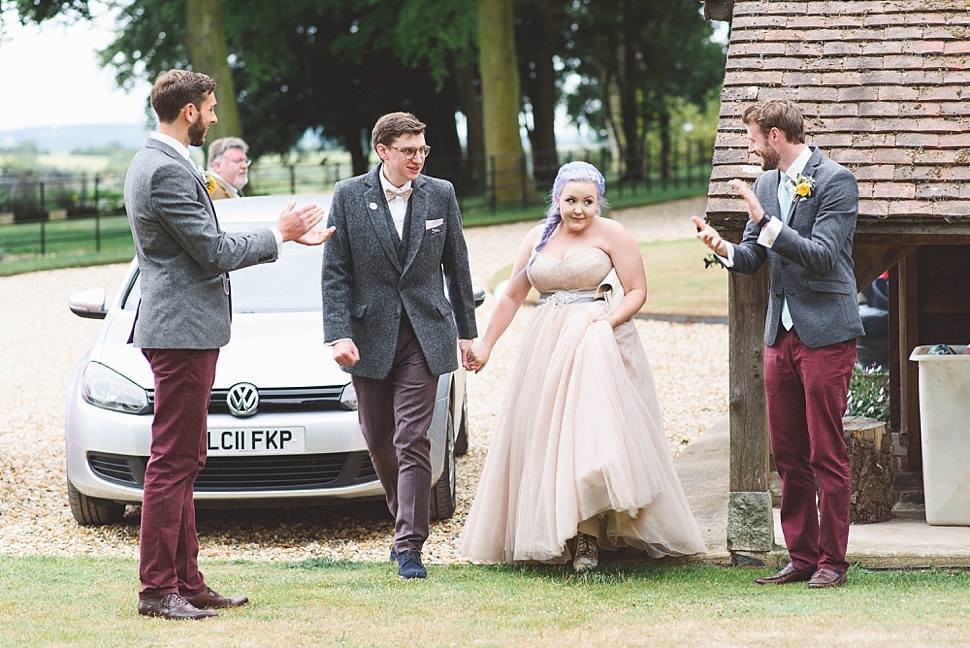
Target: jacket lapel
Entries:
(419, 217)
(811, 167)
(378, 216)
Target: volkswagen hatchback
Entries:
(282, 426)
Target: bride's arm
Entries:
(516, 290)
(628, 264)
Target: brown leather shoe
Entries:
(788, 574)
(172, 606)
(212, 599)
(826, 577)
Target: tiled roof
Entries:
(885, 90)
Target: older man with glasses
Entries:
(228, 167)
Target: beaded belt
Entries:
(563, 297)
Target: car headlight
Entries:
(348, 397)
(107, 389)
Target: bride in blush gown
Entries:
(579, 459)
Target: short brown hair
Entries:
(176, 89)
(391, 126)
(777, 113)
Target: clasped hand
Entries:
(297, 224)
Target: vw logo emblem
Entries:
(243, 399)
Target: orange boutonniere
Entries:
(802, 187)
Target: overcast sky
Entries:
(50, 76)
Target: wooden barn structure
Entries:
(885, 90)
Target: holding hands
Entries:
(475, 356)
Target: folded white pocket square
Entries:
(433, 223)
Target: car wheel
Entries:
(461, 439)
(444, 494)
(90, 511)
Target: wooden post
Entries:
(750, 525)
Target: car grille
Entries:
(241, 474)
(305, 399)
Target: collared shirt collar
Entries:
(174, 143)
(796, 167)
(229, 186)
(386, 184)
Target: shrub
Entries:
(868, 394)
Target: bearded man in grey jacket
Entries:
(183, 319)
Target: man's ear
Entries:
(189, 112)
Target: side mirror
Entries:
(479, 295)
(88, 303)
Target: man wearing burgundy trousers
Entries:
(182, 320)
(803, 214)
(392, 324)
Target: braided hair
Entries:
(569, 172)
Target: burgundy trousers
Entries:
(169, 542)
(807, 391)
(395, 413)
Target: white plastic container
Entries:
(944, 414)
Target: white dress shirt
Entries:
(397, 206)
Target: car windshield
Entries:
(291, 284)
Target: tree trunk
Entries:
(472, 108)
(545, 160)
(500, 97)
(358, 157)
(209, 53)
(663, 122)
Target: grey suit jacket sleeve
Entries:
(183, 256)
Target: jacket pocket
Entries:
(822, 286)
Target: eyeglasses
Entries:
(409, 151)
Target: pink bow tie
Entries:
(403, 194)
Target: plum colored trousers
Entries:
(169, 542)
(807, 391)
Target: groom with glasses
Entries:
(392, 324)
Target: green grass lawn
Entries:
(55, 601)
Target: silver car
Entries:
(282, 425)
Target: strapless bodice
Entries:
(583, 269)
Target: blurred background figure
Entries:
(228, 167)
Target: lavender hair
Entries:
(569, 172)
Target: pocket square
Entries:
(433, 223)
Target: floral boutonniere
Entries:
(802, 187)
(209, 182)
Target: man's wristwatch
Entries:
(764, 221)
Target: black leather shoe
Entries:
(172, 606)
(393, 554)
(826, 577)
(788, 574)
(409, 565)
(212, 599)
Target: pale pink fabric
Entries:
(580, 436)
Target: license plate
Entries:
(243, 441)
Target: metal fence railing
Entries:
(33, 202)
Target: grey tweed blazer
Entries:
(367, 287)
(183, 255)
(811, 259)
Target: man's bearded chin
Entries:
(197, 132)
(769, 159)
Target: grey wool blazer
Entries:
(183, 256)
(810, 260)
(367, 287)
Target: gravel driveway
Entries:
(42, 339)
